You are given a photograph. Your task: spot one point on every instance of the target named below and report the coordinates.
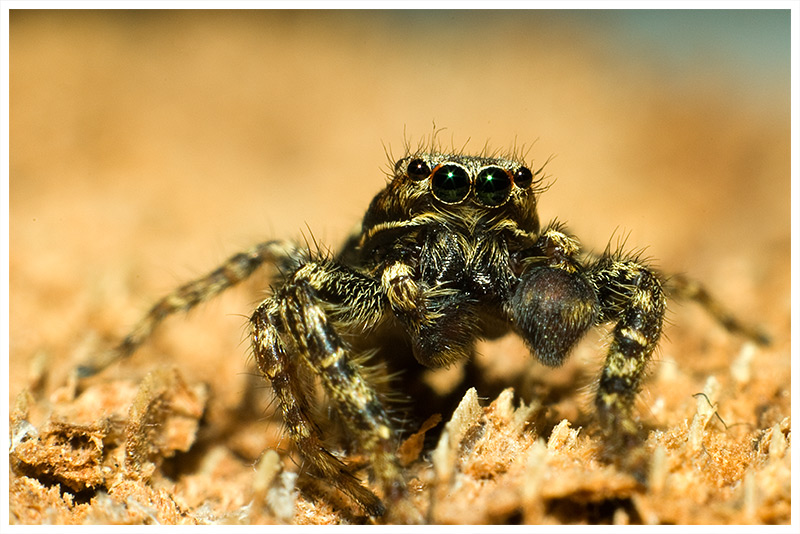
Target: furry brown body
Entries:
(449, 252)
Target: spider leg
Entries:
(630, 294)
(682, 287)
(284, 255)
(302, 327)
(557, 300)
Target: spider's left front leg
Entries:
(558, 299)
(630, 294)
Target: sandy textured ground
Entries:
(146, 148)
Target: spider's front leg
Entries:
(297, 334)
(558, 300)
(632, 295)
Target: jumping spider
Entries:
(449, 252)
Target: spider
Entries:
(449, 252)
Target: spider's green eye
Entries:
(450, 183)
(418, 170)
(493, 186)
(523, 177)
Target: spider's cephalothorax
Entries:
(450, 251)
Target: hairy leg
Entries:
(680, 287)
(558, 299)
(302, 326)
(294, 397)
(284, 255)
(630, 294)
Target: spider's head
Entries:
(461, 180)
(467, 194)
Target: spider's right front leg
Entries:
(296, 335)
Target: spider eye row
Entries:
(451, 183)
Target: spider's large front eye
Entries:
(523, 177)
(418, 170)
(493, 186)
(450, 183)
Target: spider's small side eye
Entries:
(418, 170)
(493, 186)
(450, 183)
(523, 177)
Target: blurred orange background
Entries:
(148, 146)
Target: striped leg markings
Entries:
(237, 268)
(299, 330)
(632, 295)
(291, 391)
(681, 287)
(352, 394)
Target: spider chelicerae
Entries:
(449, 252)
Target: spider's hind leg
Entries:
(282, 254)
(681, 287)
